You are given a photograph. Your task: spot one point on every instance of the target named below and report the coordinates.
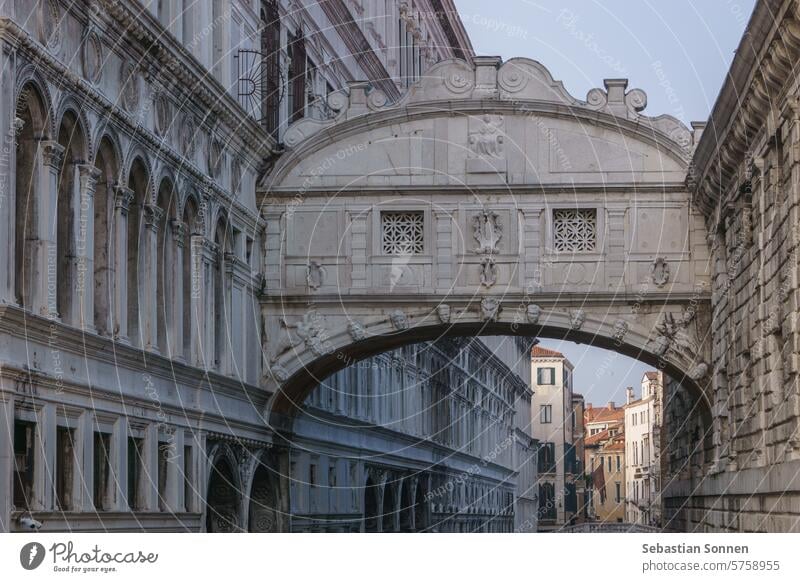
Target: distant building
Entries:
(553, 427)
(605, 463)
(643, 421)
(578, 436)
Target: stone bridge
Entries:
(487, 201)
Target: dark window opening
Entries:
(135, 463)
(24, 434)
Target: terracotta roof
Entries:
(615, 446)
(540, 352)
(651, 375)
(604, 414)
(596, 438)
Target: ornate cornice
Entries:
(177, 65)
(750, 100)
(68, 80)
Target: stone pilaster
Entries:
(148, 301)
(174, 490)
(6, 454)
(44, 459)
(123, 197)
(531, 240)
(149, 488)
(118, 460)
(359, 250)
(44, 277)
(615, 269)
(208, 331)
(444, 250)
(83, 476)
(272, 267)
(84, 247)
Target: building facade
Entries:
(426, 438)
(133, 136)
(553, 422)
(605, 473)
(643, 470)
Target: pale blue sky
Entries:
(677, 51)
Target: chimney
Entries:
(611, 405)
(629, 392)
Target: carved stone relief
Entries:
(487, 229)
(315, 275)
(486, 144)
(659, 272)
(488, 272)
(490, 308)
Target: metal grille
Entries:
(575, 230)
(402, 233)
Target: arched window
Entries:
(104, 266)
(165, 268)
(191, 282)
(71, 138)
(138, 183)
(33, 119)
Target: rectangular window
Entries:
(609, 463)
(297, 77)
(574, 230)
(135, 464)
(618, 491)
(546, 413)
(546, 376)
(103, 497)
(24, 433)
(618, 463)
(402, 233)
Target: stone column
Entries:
(44, 458)
(197, 308)
(8, 194)
(209, 259)
(122, 202)
(118, 479)
(84, 247)
(148, 300)
(174, 492)
(6, 455)
(46, 263)
(149, 488)
(10, 124)
(179, 231)
(83, 475)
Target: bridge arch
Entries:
(486, 201)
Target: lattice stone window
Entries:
(402, 233)
(575, 230)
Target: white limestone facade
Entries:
(132, 255)
(643, 425)
(425, 438)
